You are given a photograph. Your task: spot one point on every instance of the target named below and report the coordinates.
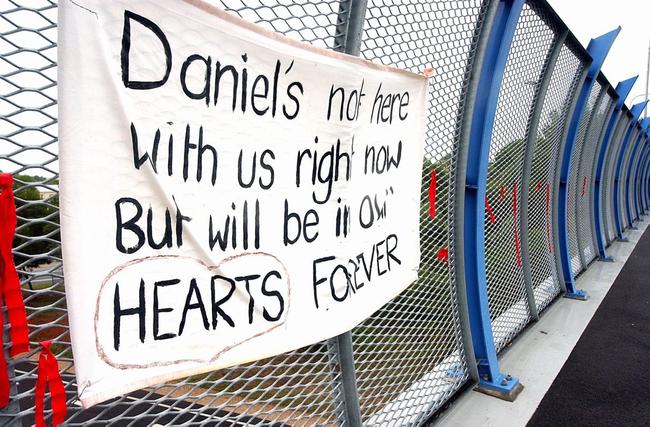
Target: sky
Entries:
(629, 54)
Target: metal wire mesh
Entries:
(631, 177)
(622, 178)
(552, 123)
(584, 204)
(605, 209)
(644, 179)
(574, 184)
(297, 386)
(642, 168)
(509, 309)
(610, 179)
(641, 180)
(606, 145)
(638, 179)
(409, 355)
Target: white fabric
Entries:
(204, 307)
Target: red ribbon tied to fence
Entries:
(48, 376)
(9, 283)
(10, 291)
(584, 186)
(514, 214)
(432, 194)
(443, 255)
(489, 211)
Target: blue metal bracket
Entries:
(623, 89)
(598, 49)
(632, 175)
(636, 111)
(491, 380)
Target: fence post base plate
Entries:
(504, 388)
(578, 294)
(606, 258)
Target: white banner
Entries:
(227, 194)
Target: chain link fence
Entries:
(412, 355)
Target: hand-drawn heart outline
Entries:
(100, 349)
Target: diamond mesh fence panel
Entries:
(573, 183)
(553, 121)
(409, 355)
(414, 343)
(297, 386)
(605, 210)
(610, 204)
(622, 178)
(609, 115)
(509, 311)
(631, 177)
(637, 179)
(603, 221)
(641, 181)
(584, 201)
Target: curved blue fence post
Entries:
(491, 380)
(642, 190)
(636, 111)
(598, 49)
(646, 177)
(623, 89)
(644, 180)
(632, 174)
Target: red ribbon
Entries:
(9, 283)
(584, 186)
(538, 186)
(443, 255)
(10, 291)
(432, 194)
(489, 211)
(48, 376)
(514, 214)
(548, 218)
(4, 377)
(502, 193)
